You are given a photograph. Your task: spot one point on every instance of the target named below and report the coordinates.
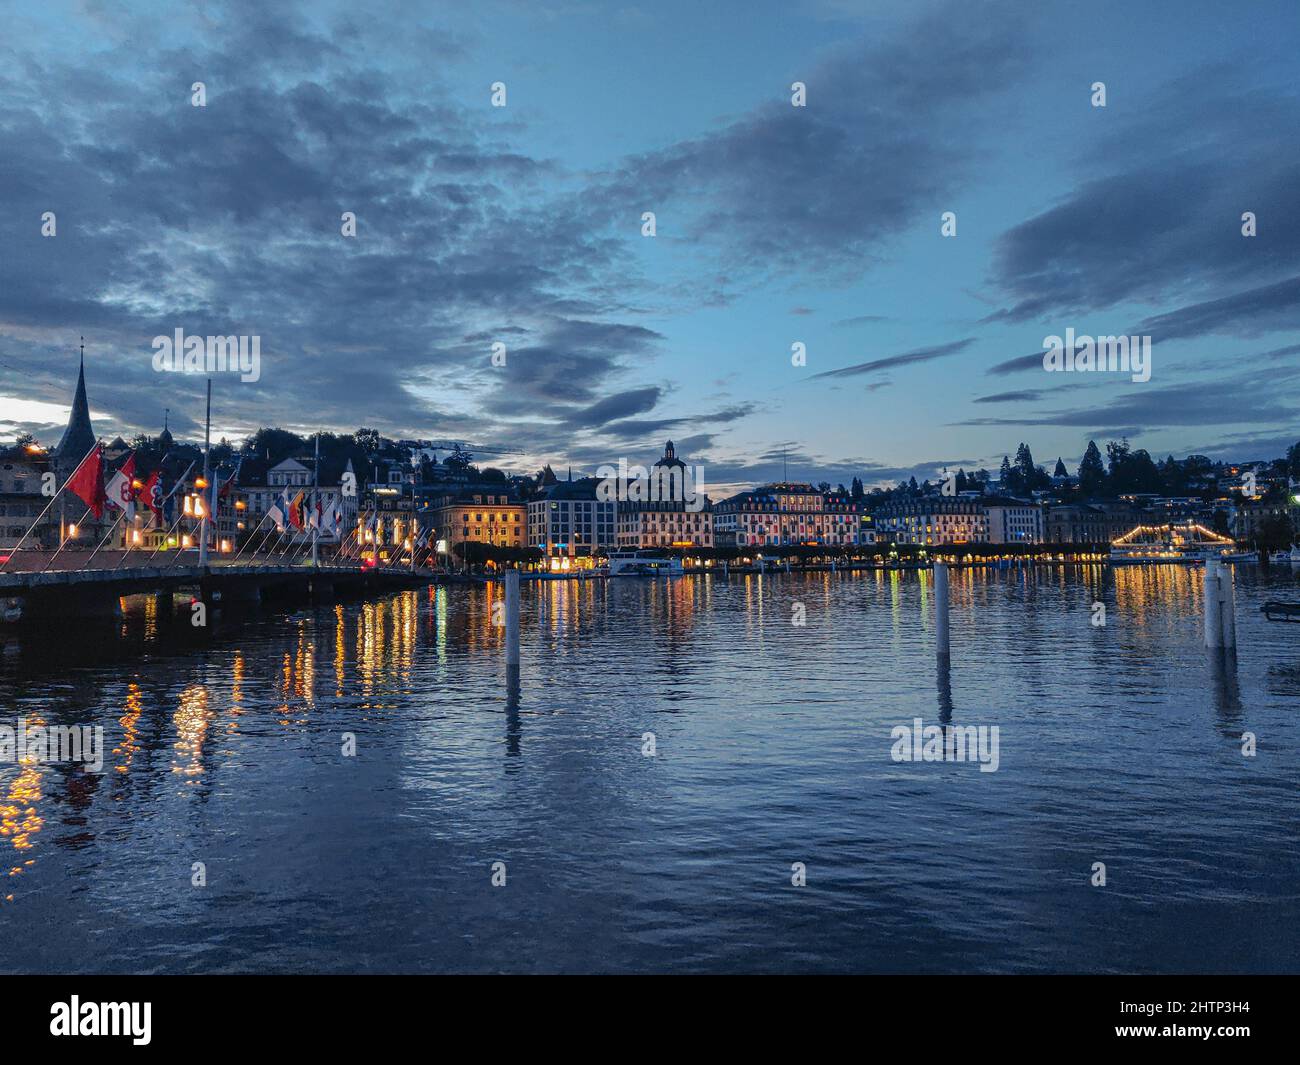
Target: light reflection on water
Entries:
(1119, 744)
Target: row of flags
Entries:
(303, 510)
(122, 490)
(374, 523)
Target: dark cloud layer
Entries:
(1157, 216)
(823, 187)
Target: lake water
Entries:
(1119, 744)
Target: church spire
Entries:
(79, 437)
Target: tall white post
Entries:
(941, 609)
(1213, 612)
(316, 507)
(512, 618)
(1228, 605)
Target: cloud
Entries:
(1159, 218)
(633, 429)
(1011, 397)
(1249, 313)
(823, 188)
(611, 408)
(1272, 395)
(907, 358)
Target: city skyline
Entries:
(776, 225)
(645, 487)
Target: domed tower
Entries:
(165, 437)
(670, 458)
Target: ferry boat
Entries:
(643, 564)
(1186, 543)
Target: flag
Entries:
(168, 507)
(315, 519)
(87, 484)
(227, 488)
(278, 511)
(152, 494)
(295, 511)
(121, 487)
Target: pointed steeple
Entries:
(79, 436)
(165, 437)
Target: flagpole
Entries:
(64, 544)
(105, 540)
(315, 529)
(206, 496)
(249, 540)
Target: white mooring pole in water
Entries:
(1228, 599)
(941, 609)
(512, 618)
(1220, 605)
(1210, 590)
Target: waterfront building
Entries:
(666, 522)
(1014, 521)
(566, 520)
(482, 514)
(259, 486)
(866, 527)
(933, 520)
(1091, 523)
(1172, 508)
(788, 513)
(390, 499)
(1245, 519)
(21, 500)
(843, 522)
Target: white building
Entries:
(789, 513)
(259, 487)
(1013, 521)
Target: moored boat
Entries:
(1186, 543)
(643, 564)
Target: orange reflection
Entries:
(19, 821)
(191, 719)
(130, 722)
